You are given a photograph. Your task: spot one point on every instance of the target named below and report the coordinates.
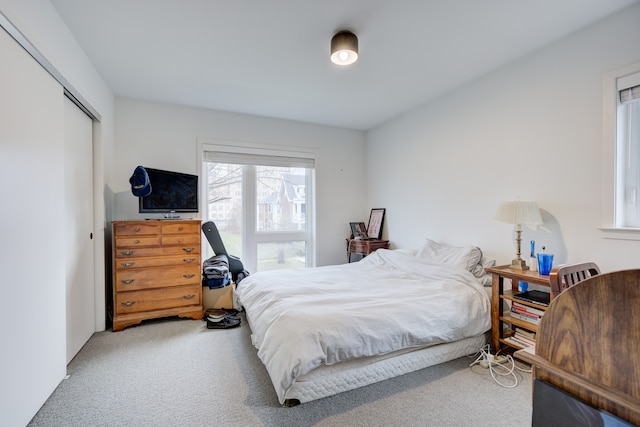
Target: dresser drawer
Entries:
(177, 239)
(132, 242)
(129, 263)
(181, 228)
(148, 300)
(147, 278)
(159, 251)
(136, 229)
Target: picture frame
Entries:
(376, 219)
(358, 230)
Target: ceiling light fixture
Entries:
(344, 48)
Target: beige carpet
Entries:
(178, 373)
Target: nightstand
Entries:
(499, 295)
(364, 247)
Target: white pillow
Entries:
(466, 257)
(479, 271)
(485, 278)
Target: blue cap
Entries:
(140, 184)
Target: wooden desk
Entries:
(364, 247)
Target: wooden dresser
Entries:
(157, 270)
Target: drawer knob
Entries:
(128, 253)
(136, 229)
(127, 281)
(128, 264)
(188, 276)
(188, 249)
(189, 259)
(137, 241)
(127, 303)
(180, 240)
(189, 296)
(180, 228)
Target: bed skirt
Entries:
(333, 379)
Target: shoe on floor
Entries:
(221, 311)
(225, 323)
(224, 316)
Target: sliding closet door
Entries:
(78, 171)
(32, 248)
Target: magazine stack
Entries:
(526, 313)
(522, 338)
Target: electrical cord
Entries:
(498, 366)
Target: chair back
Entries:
(563, 277)
(588, 345)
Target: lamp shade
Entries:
(344, 48)
(518, 212)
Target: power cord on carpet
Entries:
(498, 366)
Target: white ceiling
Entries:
(271, 57)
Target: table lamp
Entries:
(518, 212)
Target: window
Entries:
(621, 154)
(260, 200)
(628, 152)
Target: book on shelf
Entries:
(528, 309)
(515, 341)
(525, 342)
(525, 313)
(529, 341)
(531, 319)
(523, 332)
(537, 297)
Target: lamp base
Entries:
(519, 264)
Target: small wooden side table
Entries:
(499, 294)
(364, 247)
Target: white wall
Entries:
(165, 137)
(33, 331)
(534, 130)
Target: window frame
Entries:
(609, 228)
(254, 237)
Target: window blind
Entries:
(298, 160)
(630, 94)
(629, 87)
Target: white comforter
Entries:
(302, 319)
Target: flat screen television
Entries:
(170, 192)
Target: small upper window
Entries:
(627, 210)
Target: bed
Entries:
(325, 330)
